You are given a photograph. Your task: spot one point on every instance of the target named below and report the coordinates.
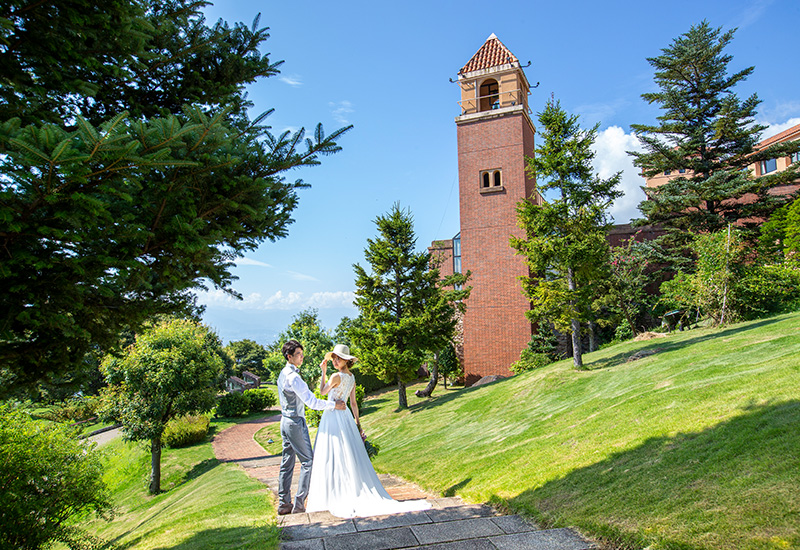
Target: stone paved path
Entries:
(449, 525)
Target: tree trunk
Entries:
(401, 390)
(592, 338)
(155, 465)
(577, 358)
(433, 380)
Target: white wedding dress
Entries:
(342, 478)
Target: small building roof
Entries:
(492, 54)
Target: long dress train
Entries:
(342, 477)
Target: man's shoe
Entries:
(299, 510)
(284, 509)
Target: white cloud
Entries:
(292, 80)
(301, 276)
(250, 261)
(780, 127)
(329, 300)
(340, 111)
(278, 301)
(611, 156)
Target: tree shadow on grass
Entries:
(262, 537)
(440, 398)
(661, 345)
(740, 472)
(201, 468)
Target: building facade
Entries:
(495, 133)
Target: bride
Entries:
(342, 478)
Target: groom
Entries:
(294, 395)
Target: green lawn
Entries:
(695, 446)
(205, 504)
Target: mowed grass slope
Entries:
(694, 446)
(205, 504)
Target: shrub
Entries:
(529, 360)
(233, 404)
(260, 399)
(370, 382)
(766, 290)
(185, 430)
(48, 476)
(542, 350)
(623, 332)
(75, 409)
(360, 392)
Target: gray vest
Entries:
(291, 405)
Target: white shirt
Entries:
(290, 380)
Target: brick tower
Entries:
(495, 133)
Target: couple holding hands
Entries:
(342, 479)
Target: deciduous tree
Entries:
(170, 371)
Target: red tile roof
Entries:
(786, 135)
(491, 54)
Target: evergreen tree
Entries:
(706, 136)
(405, 309)
(565, 243)
(130, 171)
(248, 355)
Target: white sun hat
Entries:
(342, 351)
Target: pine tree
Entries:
(405, 310)
(706, 136)
(130, 171)
(565, 244)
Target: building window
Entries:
(794, 157)
(682, 171)
(492, 180)
(768, 166)
(667, 172)
(489, 94)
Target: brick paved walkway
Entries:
(449, 525)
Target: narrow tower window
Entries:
(491, 180)
(489, 94)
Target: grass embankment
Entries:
(694, 446)
(205, 504)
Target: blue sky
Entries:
(385, 68)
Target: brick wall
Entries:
(495, 326)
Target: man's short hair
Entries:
(290, 347)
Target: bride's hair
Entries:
(350, 362)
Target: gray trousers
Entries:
(296, 442)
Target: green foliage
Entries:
(706, 130)
(260, 399)
(48, 478)
(75, 409)
(449, 365)
(623, 331)
(186, 430)
(171, 370)
(565, 239)
(765, 290)
(248, 356)
(131, 172)
(360, 392)
(316, 341)
(369, 382)
(404, 307)
(231, 405)
(542, 350)
(725, 287)
(780, 235)
(624, 291)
